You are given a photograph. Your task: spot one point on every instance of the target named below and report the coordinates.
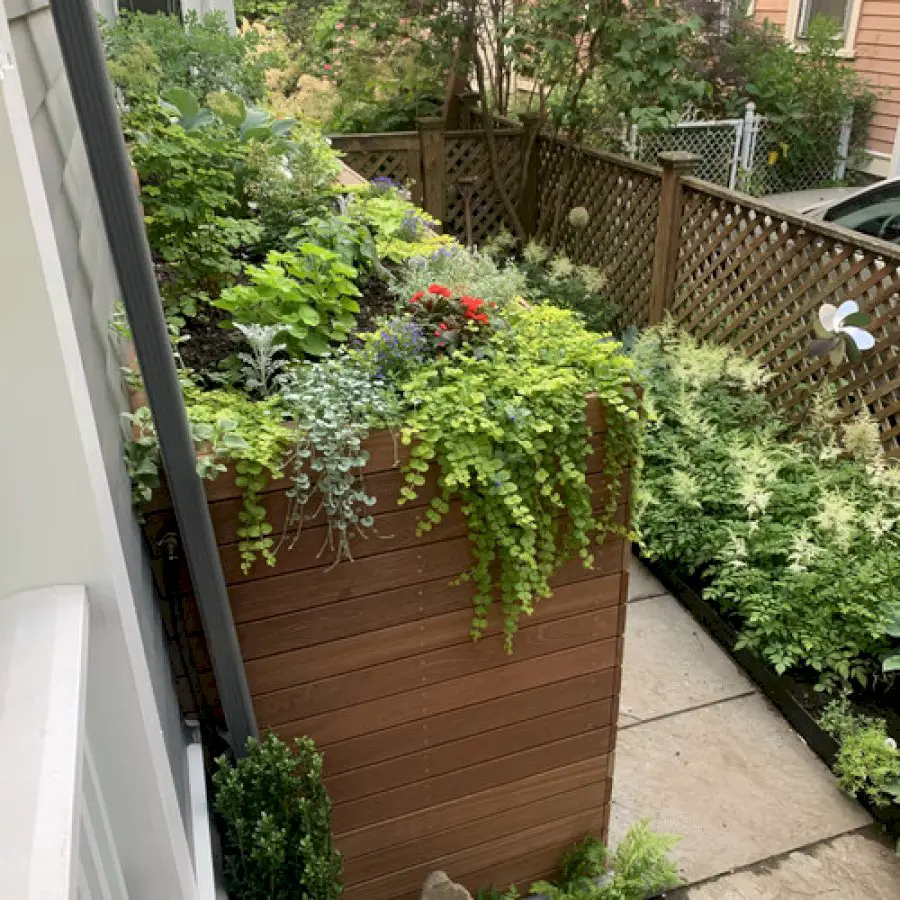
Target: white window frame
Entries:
(795, 15)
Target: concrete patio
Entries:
(703, 755)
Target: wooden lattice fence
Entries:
(725, 266)
(755, 277)
(622, 201)
(394, 155)
(467, 157)
(440, 168)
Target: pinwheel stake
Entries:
(841, 333)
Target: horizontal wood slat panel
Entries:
(514, 677)
(433, 761)
(458, 724)
(355, 687)
(384, 487)
(393, 530)
(547, 836)
(400, 801)
(428, 633)
(371, 575)
(346, 619)
(472, 807)
(432, 849)
(437, 749)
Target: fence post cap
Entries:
(429, 123)
(678, 160)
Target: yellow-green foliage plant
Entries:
(507, 428)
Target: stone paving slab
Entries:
(672, 664)
(733, 780)
(641, 583)
(856, 866)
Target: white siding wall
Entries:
(201, 7)
(60, 520)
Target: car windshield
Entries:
(876, 213)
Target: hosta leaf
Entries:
(314, 344)
(308, 315)
(255, 119)
(183, 100)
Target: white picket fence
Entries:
(735, 153)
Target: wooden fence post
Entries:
(528, 204)
(431, 142)
(675, 165)
(468, 105)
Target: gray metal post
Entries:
(79, 39)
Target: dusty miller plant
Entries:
(335, 403)
(263, 371)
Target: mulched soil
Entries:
(208, 342)
(376, 301)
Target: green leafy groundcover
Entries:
(641, 866)
(276, 818)
(792, 527)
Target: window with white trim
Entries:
(839, 10)
(845, 12)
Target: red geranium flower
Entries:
(327, 67)
(440, 290)
(443, 326)
(437, 332)
(417, 296)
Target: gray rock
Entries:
(439, 887)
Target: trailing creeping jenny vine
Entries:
(507, 428)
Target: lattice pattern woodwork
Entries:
(622, 201)
(755, 278)
(466, 154)
(394, 156)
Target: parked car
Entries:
(872, 210)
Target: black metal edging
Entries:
(774, 686)
(79, 39)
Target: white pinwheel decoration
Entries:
(841, 332)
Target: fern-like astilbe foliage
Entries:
(794, 527)
(276, 814)
(640, 867)
(706, 419)
(507, 429)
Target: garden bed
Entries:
(435, 747)
(796, 701)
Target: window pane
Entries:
(875, 212)
(834, 9)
